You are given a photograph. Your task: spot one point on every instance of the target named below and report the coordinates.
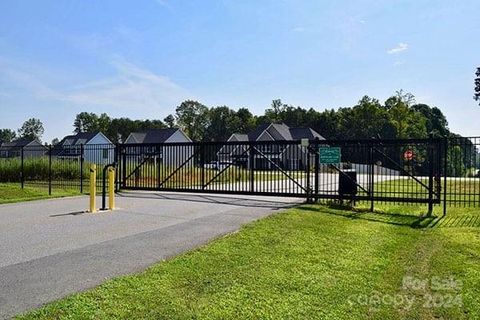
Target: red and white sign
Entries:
(408, 155)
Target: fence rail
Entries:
(429, 171)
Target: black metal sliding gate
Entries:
(355, 170)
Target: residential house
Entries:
(270, 155)
(93, 147)
(28, 147)
(163, 145)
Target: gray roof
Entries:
(79, 138)
(22, 142)
(305, 133)
(152, 135)
(240, 136)
(280, 132)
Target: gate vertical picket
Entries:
(252, 165)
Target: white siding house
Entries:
(268, 156)
(95, 147)
(31, 148)
(155, 143)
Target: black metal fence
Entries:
(462, 186)
(370, 170)
(425, 171)
(54, 168)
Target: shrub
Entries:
(38, 169)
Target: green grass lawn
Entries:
(12, 192)
(460, 190)
(310, 262)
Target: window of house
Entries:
(105, 153)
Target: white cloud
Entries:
(24, 78)
(401, 47)
(298, 29)
(130, 87)
(163, 3)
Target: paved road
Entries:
(51, 248)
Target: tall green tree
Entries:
(193, 119)
(170, 121)
(407, 122)
(223, 121)
(274, 113)
(31, 129)
(248, 121)
(85, 122)
(368, 119)
(7, 135)
(120, 129)
(116, 129)
(327, 123)
(436, 122)
(103, 123)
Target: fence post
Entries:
(445, 173)
(309, 189)
(81, 168)
(22, 170)
(202, 165)
(372, 179)
(93, 187)
(117, 166)
(124, 166)
(252, 165)
(50, 170)
(111, 188)
(159, 165)
(317, 166)
(430, 175)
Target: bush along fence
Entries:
(432, 171)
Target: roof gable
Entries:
(79, 138)
(253, 135)
(151, 135)
(278, 132)
(21, 142)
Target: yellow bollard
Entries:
(111, 188)
(93, 187)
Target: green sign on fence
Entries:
(330, 155)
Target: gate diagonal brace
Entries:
(223, 170)
(180, 167)
(401, 169)
(148, 157)
(281, 170)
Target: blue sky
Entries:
(140, 59)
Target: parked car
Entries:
(211, 165)
(217, 165)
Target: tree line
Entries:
(400, 116)
(31, 129)
(397, 117)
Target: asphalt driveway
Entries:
(51, 248)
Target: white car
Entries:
(211, 165)
(217, 165)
